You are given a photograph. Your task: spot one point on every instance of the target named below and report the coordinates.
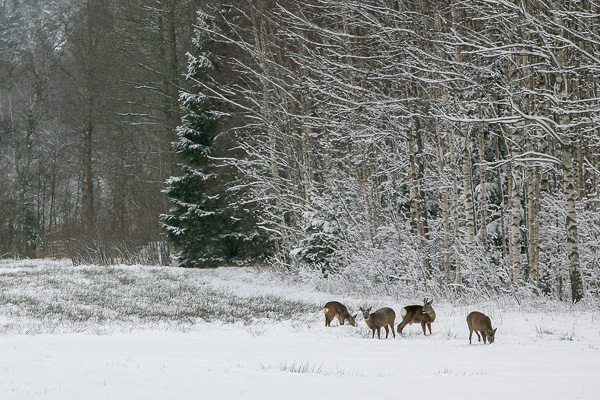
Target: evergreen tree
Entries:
(204, 224)
(195, 216)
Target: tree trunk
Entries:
(514, 225)
(445, 213)
(463, 131)
(514, 180)
(468, 192)
(532, 269)
(454, 175)
(482, 188)
(416, 198)
(570, 191)
(87, 184)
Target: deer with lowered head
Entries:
(423, 315)
(335, 309)
(384, 317)
(479, 322)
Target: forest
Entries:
(442, 145)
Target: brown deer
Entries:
(479, 322)
(384, 317)
(335, 309)
(424, 315)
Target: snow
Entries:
(542, 351)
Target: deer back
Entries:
(479, 321)
(381, 317)
(418, 314)
(409, 313)
(415, 314)
(335, 308)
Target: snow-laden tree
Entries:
(443, 126)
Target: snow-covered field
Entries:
(164, 333)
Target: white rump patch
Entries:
(326, 310)
(403, 312)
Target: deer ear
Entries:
(495, 330)
(431, 302)
(361, 309)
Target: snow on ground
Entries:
(541, 352)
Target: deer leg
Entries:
(327, 321)
(378, 332)
(423, 326)
(373, 333)
(429, 326)
(478, 337)
(387, 331)
(484, 337)
(470, 334)
(341, 320)
(393, 333)
(401, 326)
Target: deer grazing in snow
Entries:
(384, 317)
(480, 322)
(424, 315)
(335, 309)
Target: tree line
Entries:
(89, 102)
(447, 144)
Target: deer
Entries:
(424, 315)
(335, 309)
(384, 317)
(479, 322)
